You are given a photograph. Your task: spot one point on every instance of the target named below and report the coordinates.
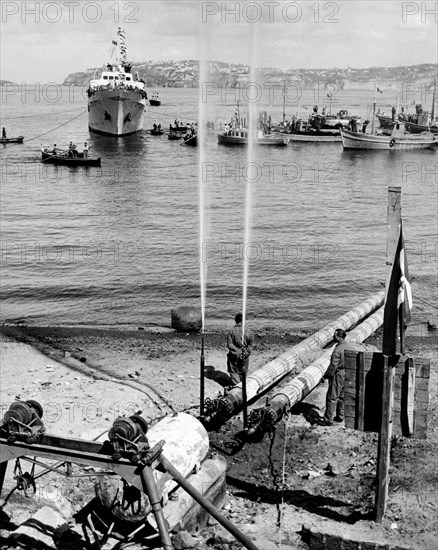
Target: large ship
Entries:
(116, 99)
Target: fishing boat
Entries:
(243, 136)
(416, 124)
(62, 158)
(421, 121)
(412, 127)
(341, 120)
(155, 100)
(314, 136)
(18, 139)
(117, 99)
(237, 133)
(398, 139)
(305, 131)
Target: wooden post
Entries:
(360, 389)
(389, 362)
(384, 446)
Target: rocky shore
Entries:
(302, 482)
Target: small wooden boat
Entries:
(155, 100)
(397, 140)
(190, 140)
(65, 160)
(18, 139)
(178, 129)
(156, 132)
(174, 135)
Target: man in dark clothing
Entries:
(239, 350)
(335, 374)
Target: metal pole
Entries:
(202, 379)
(244, 400)
(150, 488)
(197, 496)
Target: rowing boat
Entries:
(65, 160)
(18, 139)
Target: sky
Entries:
(44, 41)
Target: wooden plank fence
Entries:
(363, 393)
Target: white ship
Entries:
(117, 99)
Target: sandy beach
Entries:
(85, 377)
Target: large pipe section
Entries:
(221, 409)
(198, 497)
(263, 419)
(181, 510)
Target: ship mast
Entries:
(284, 101)
(374, 109)
(122, 58)
(432, 113)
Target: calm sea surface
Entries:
(120, 244)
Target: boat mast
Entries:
(374, 109)
(284, 101)
(432, 112)
(121, 52)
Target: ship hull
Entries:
(357, 140)
(387, 122)
(116, 112)
(235, 140)
(315, 137)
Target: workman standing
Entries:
(239, 350)
(335, 374)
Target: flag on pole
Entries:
(398, 302)
(380, 91)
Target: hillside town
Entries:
(184, 74)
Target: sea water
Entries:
(120, 244)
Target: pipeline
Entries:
(262, 420)
(221, 409)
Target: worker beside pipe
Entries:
(239, 350)
(335, 374)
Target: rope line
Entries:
(429, 304)
(50, 131)
(281, 510)
(56, 127)
(40, 115)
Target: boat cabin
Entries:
(399, 130)
(116, 77)
(244, 133)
